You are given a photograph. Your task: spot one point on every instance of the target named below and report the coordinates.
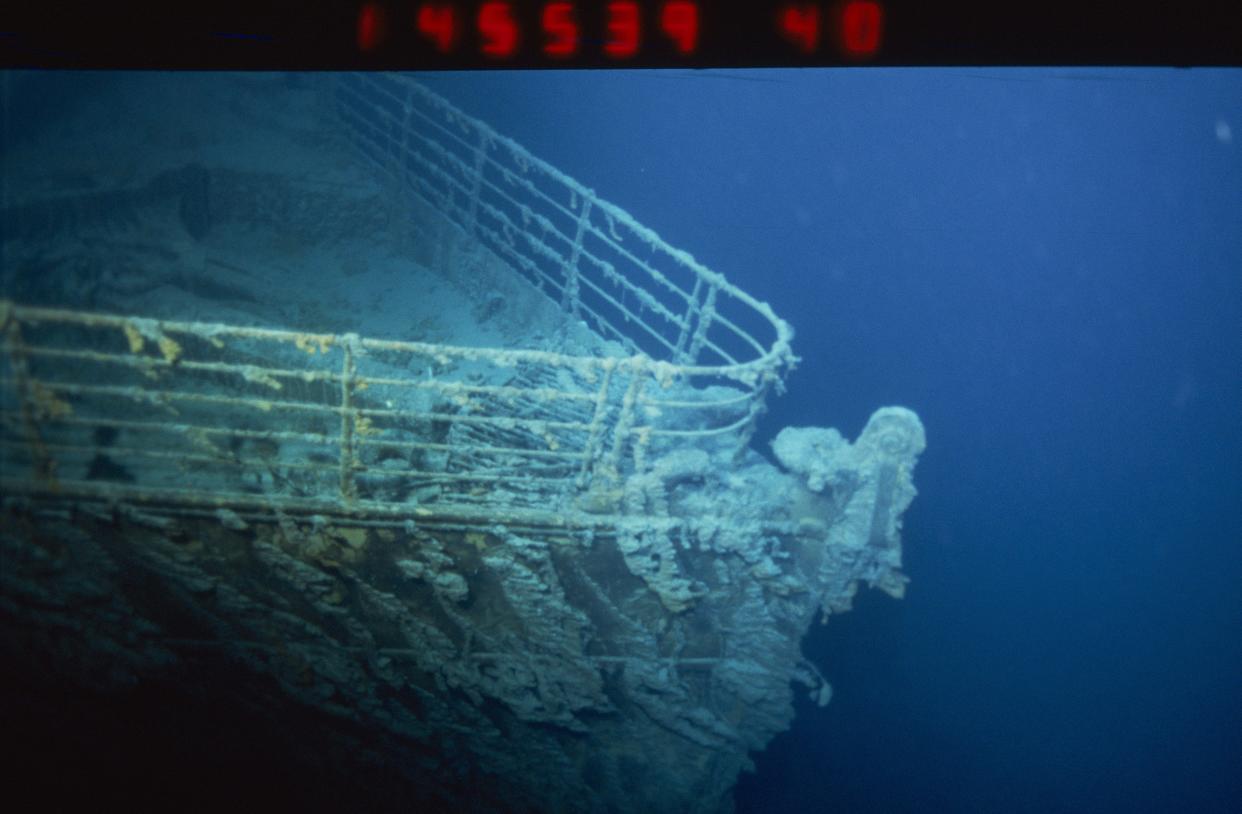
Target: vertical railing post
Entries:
(758, 406)
(596, 429)
(569, 296)
(41, 462)
(480, 158)
(707, 313)
(406, 131)
(348, 370)
(625, 415)
(692, 308)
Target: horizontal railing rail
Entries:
(586, 253)
(226, 415)
(209, 416)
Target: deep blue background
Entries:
(1047, 266)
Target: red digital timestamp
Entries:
(857, 26)
(559, 28)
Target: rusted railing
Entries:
(222, 418)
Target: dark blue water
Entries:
(1047, 266)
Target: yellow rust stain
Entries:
(47, 404)
(312, 344)
(136, 342)
(353, 537)
(170, 348)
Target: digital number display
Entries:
(440, 25)
(560, 23)
(615, 31)
(858, 25)
(402, 35)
